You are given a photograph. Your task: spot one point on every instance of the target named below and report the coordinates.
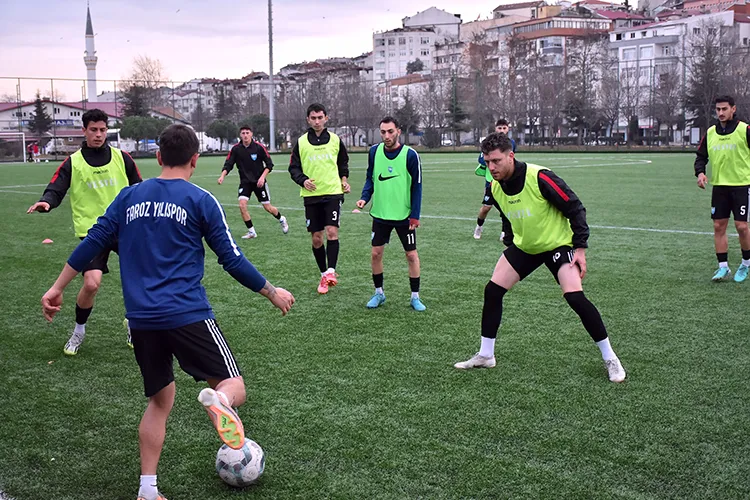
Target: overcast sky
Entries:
(192, 38)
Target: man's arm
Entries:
(58, 186)
(295, 166)
(267, 161)
(216, 232)
(369, 186)
(131, 169)
(701, 156)
(414, 166)
(565, 200)
(507, 229)
(230, 161)
(342, 160)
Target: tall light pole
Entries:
(272, 91)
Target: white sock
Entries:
(148, 487)
(723, 264)
(380, 291)
(80, 329)
(330, 271)
(223, 397)
(488, 347)
(606, 349)
(414, 295)
(746, 262)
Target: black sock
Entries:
(377, 279)
(746, 255)
(722, 257)
(492, 312)
(82, 315)
(480, 222)
(320, 258)
(333, 253)
(589, 314)
(414, 283)
(249, 223)
(278, 214)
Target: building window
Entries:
(744, 41)
(628, 54)
(379, 42)
(392, 75)
(696, 31)
(391, 41)
(632, 35)
(643, 34)
(425, 52)
(381, 53)
(647, 52)
(402, 52)
(668, 50)
(424, 41)
(618, 36)
(391, 54)
(402, 40)
(381, 76)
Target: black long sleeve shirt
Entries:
(251, 161)
(554, 190)
(701, 156)
(96, 157)
(295, 162)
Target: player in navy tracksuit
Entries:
(160, 225)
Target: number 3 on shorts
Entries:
(335, 215)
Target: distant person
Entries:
(726, 146)
(35, 152)
(393, 183)
(254, 164)
(502, 127)
(320, 165)
(545, 224)
(161, 225)
(94, 174)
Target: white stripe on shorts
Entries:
(229, 361)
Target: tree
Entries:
(261, 125)
(40, 122)
(707, 61)
(7, 98)
(414, 66)
(135, 101)
(139, 128)
(667, 98)
(200, 117)
(456, 115)
(224, 130)
(583, 63)
(408, 118)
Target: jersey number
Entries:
(335, 215)
(743, 209)
(411, 238)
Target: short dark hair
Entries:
(316, 108)
(724, 98)
(502, 121)
(94, 115)
(495, 141)
(177, 144)
(245, 126)
(390, 119)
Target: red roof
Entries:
(741, 18)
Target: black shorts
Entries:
(525, 263)
(262, 194)
(381, 233)
(325, 213)
(99, 263)
(488, 199)
(200, 349)
(730, 199)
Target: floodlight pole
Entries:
(271, 93)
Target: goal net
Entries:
(12, 147)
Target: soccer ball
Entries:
(243, 467)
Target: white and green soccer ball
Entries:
(243, 467)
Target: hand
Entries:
(39, 206)
(281, 299)
(579, 258)
(346, 187)
(702, 181)
(413, 224)
(261, 182)
(310, 184)
(51, 303)
(361, 203)
(220, 180)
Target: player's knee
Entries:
(720, 225)
(742, 227)
(268, 208)
(494, 293)
(332, 232)
(377, 253)
(577, 301)
(317, 239)
(91, 285)
(412, 257)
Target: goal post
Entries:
(12, 147)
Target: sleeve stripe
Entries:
(557, 189)
(223, 219)
(419, 167)
(57, 172)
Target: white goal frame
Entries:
(13, 135)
